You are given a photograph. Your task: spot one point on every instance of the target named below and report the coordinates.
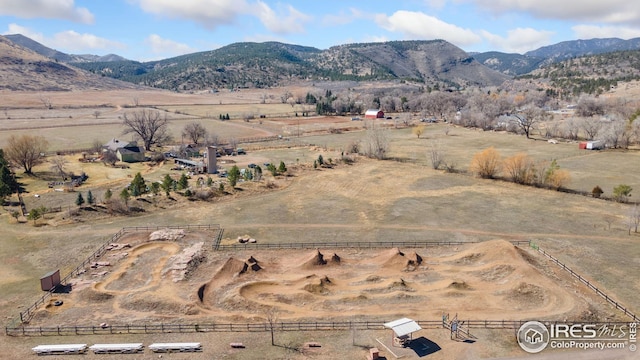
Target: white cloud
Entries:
(418, 25)
(373, 38)
(609, 11)
(343, 18)
(519, 40)
(67, 41)
(161, 46)
(590, 32)
(213, 13)
(288, 20)
(18, 29)
(76, 42)
(208, 13)
(50, 9)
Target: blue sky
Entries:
(156, 29)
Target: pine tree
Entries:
(108, 194)
(167, 184)
(125, 196)
(138, 186)
(183, 182)
(90, 199)
(79, 199)
(282, 168)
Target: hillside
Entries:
(519, 64)
(272, 63)
(24, 70)
(57, 55)
(594, 74)
(510, 64)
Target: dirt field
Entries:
(145, 282)
(173, 276)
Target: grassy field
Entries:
(367, 201)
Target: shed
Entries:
(374, 114)
(402, 330)
(50, 280)
(125, 151)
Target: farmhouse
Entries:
(125, 151)
(374, 114)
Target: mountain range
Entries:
(435, 63)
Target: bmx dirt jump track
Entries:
(176, 276)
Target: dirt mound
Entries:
(469, 259)
(231, 269)
(527, 294)
(460, 285)
(400, 285)
(487, 252)
(320, 287)
(317, 259)
(497, 272)
(401, 261)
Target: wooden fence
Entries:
(258, 327)
(352, 244)
(27, 314)
(581, 278)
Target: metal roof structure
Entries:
(171, 347)
(403, 327)
(117, 348)
(60, 349)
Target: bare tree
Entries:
(46, 102)
(272, 317)
(58, 164)
(571, 129)
(589, 107)
(109, 158)
(97, 114)
(376, 142)
(96, 146)
(195, 132)
(136, 101)
(591, 126)
(528, 120)
(26, 151)
(149, 125)
(618, 134)
(436, 155)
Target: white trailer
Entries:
(62, 349)
(132, 348)
(175, 347)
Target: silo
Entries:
(211, 160)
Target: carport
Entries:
(402, 330)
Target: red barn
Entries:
(374, 114)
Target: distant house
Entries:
(125, 151)
(374, 114)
